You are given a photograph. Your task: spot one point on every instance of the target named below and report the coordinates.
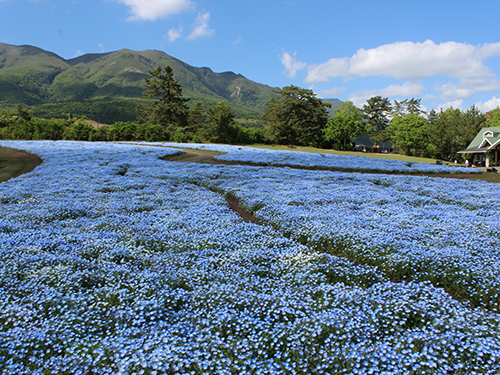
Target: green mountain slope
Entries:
(26, 74)
(32, 76)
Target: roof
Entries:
(485, 140)
(474, 150)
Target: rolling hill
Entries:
(35, 77)
(110, 85)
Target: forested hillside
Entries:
(34, 77)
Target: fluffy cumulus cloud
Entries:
(151, 10)
(458, 70)
(408, 60)
(323, 72)
(292, 65)
(412, 61)
(451, 104)
(201, 28)
(406, 90)
(451, 90)
(489, 104)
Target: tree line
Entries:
(412, 131)
(294, 117)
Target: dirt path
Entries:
(203, 156)
(14, 163)
(207, 157)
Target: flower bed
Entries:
(251, 155)
(114, 261)
(413, 228)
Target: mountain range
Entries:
(37, 78)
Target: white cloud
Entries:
(330, 69)
(292, 66)
(201, 29)
(406, 90)
(332, 92)
(489, 105)
(412, 61)
(451, 104)
(408, 60)
(173, 34)
(450, 91)
(151, 10)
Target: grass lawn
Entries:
(15, 162)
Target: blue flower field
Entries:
(114, 261)
(245, 154)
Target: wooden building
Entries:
(485, 144)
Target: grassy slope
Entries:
(32, 76)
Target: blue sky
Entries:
(445, 52)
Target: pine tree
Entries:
(169, 108)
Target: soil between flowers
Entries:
(14, 163)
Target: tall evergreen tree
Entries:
(219, 126)
(169, 108)
(414, 106)
(195, 117)
(406, 107)
(377, 109)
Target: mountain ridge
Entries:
(32, 76)
(43, 77)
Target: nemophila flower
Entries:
(314, 160)
(113, 261)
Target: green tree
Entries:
(414, 107)
(220, 126)
(445, 134)
(99, 134)
(410, 131)
(78, 131)
(297, 117)
(346, 125)
(169, 108)
(493, 117)
(452, 130)
(195, 118)
(406, 107)
(122, 131)
(151, 133)
(473, 121)
(23, 113)
(377, 110)
(49, 129)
